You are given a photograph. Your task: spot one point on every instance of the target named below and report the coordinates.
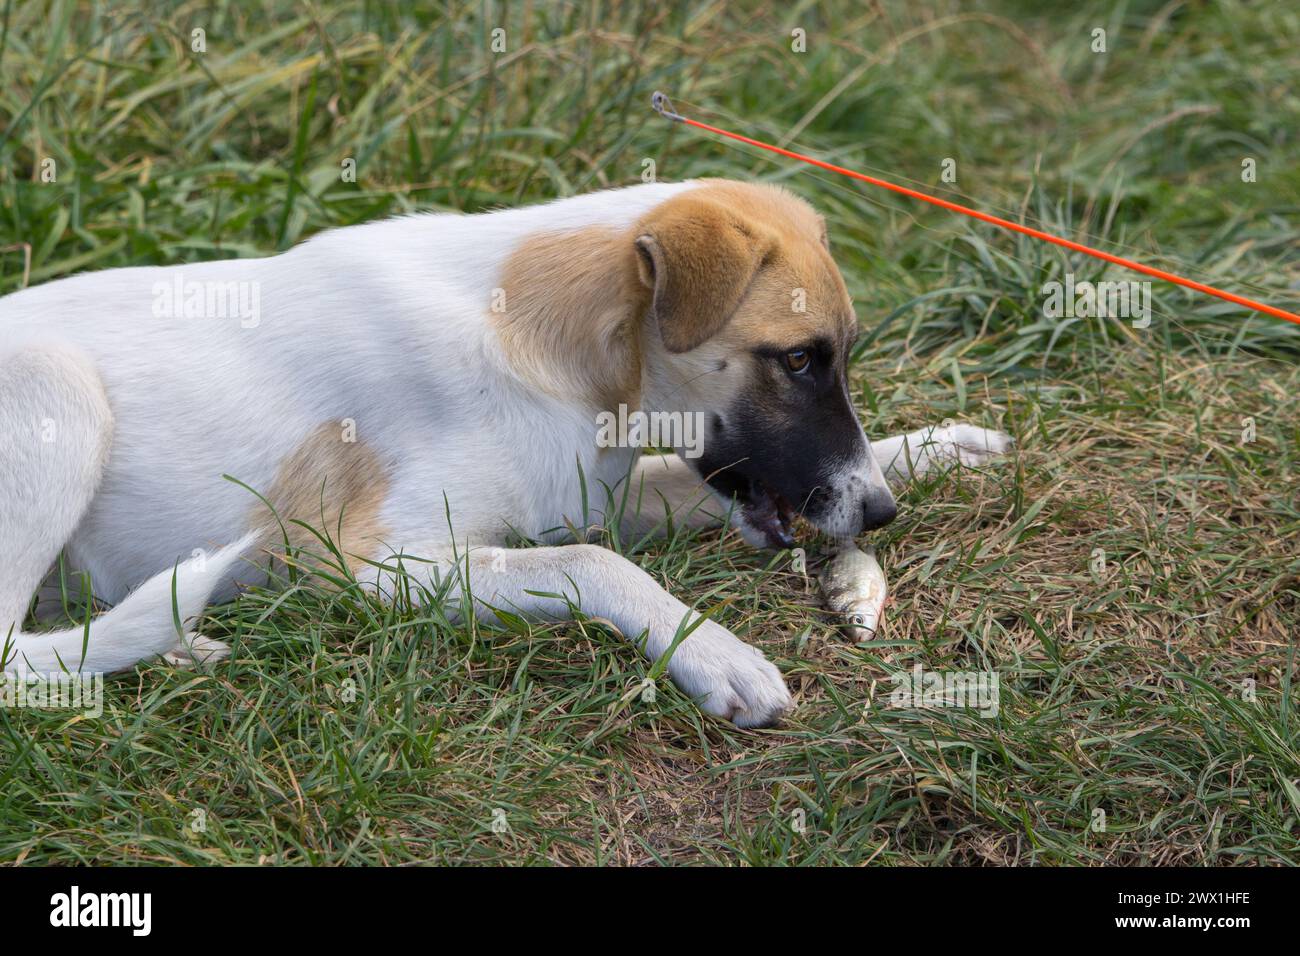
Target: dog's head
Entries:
(750, 327)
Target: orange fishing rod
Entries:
(663, 107)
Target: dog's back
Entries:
(227, 367)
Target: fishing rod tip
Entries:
(664, 106)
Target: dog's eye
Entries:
(797, 360)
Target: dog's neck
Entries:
(572, 316)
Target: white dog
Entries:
(379, 378)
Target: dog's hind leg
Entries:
(55, 432)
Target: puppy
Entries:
(421, 389)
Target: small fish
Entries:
(855, 589)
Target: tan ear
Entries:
(699, 257)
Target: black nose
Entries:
(878, 512)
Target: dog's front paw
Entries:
(730, 678)
(972, 445)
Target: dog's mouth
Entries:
(769, 514)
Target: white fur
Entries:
(385, 324)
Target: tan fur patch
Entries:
(742, 260)
(798, 294)
(776, 207)
(795, 298)
(335, 486)
(571, 316)
(703, 253)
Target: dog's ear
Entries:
(699, 258)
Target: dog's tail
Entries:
(140, 626)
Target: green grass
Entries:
(1123, 692)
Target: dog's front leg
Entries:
(903, 457)
(727, 676)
